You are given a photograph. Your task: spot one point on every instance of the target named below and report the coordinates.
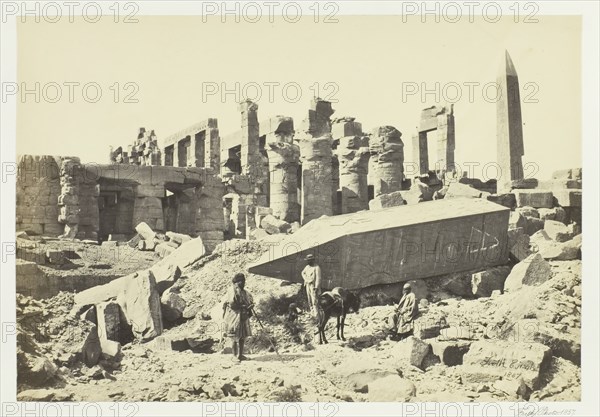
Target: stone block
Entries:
(145, 231)
(108, 314)
(557, 213)
(485, 282)
(518, 243)
(488, 361)
(140, 302)
(111, 350)
(392, 199)
(534, 198)
(532, 225)
(557, 231)
(172, 306)
(529, 212)
(164, 249)
(507, 200)
(273, 225)
(147, 245)
(534, 270)
(456, 189)
(568, 198)
(411, 350)
(178, 238)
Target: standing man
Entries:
(312, 280)
(405, 313)
(237, 310)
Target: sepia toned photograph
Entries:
(312, 205)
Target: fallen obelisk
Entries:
(394, 244)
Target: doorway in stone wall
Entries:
(179, 208)
(115, 209)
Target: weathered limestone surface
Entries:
(317, 185)
(284, 158)
(486, 361)
(38, 187)
(440, 118)
(144, 150)
(394, 244)
(387, 200)
(140, 303)
(353, 156)
(68, 200)
(509, 126)
(534, 198)
(316, 156)
(387, 158)
(534, 270)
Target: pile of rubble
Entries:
(267, 224)
(144, 151)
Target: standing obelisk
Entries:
(509, 127)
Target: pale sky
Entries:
(367, 57)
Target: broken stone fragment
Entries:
(529, 212)
(140, 302)
(108, 320)
(178, 238)
(411, 351)
(164, 249)
(145, 231)
(273, 225)
(456, 189)
(387, 200)
(172, 305)
(534, 198)
(518, 244)
(145, 245)
(534, 270)
(488, 361)
(485, 282)
(557, 231)
(556, 213)
(532, 225)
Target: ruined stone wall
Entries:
(89, 214)
(38, 188)
(209, 213)
(143, 151)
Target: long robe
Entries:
(405, 313)
(237, 316)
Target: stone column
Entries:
(387, 148)
(421, 152)
(352, 154)
(250, 138)
(283, 159)
(316, 156)
(353, 158)
(445, 137)
(509, 126)
(317, 187)
(68, 200)
(212, 146)
(283, 172)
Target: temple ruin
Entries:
(271, 176)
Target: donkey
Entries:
(337, 303)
